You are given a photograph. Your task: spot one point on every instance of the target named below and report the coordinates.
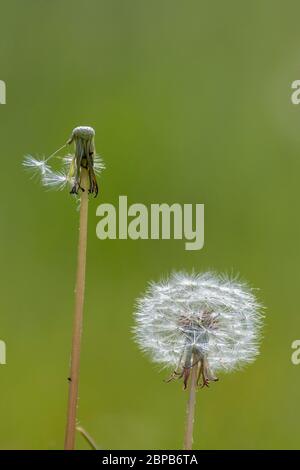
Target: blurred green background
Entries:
(191, 104)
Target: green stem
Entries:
(190, 412)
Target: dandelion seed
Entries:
(99, 164)
(39, 167)
(68, 160)
(57, 180)
(79, 172)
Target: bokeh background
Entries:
(191, 102)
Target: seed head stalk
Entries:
(78, 316)
(190, 411)
(78, 172)
(200, 325)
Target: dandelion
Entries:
(83, 136)
(200, 325)
(78, 172)
(73, 165)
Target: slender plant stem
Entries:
(78, 316)
(190, 411)
(87, 437)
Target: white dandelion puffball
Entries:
(199, 320)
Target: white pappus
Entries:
(207, 321)
(70, 173)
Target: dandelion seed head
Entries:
(72, 165)
(208, 319)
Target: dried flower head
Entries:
(199, 320)
(70, 175)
